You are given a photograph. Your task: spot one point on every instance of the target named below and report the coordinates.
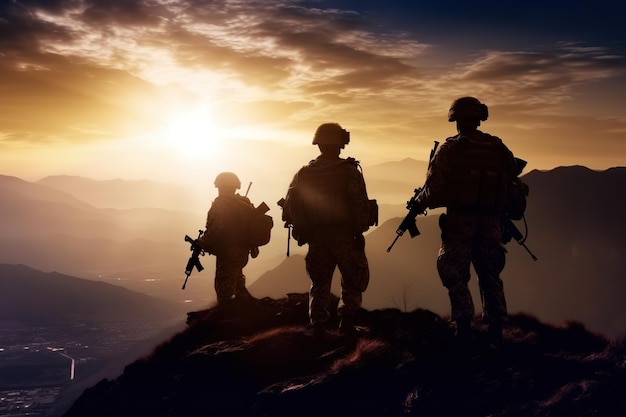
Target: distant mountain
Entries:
(394, 182)
(33, 296)
(127, 194)
(53, 231)
(13, 187)
(29, 211)
(259, 359)
(288, 277)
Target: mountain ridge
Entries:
(258, 358)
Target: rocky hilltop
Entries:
(259, 358)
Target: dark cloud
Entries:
(21, 31)
(549, 76)
(123, 12)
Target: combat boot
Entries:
(241, 292)
(318, 329)
(465, 336)
(494, 333)
(346, 326)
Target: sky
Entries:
(179, 90)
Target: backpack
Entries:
(259, 226)
(515, 205)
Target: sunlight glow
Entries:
(193, 133)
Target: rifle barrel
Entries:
(394, 241)
(532, 255)
(185, 283)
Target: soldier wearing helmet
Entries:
(469, 175)
(328, 206)
(225, 238)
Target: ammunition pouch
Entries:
(516, 199)
(372, 219)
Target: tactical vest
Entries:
(480, 174)
(322, 193)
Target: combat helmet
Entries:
(467, 108)
(331, 133)
(227, 180)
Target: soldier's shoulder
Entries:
(219, 204)
(311, 164)
(243, 199)
(450, 143)
(452, 140)
(492, 138)
(352, 162)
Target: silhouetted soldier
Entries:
(328, 206)
(470, 175)
(225, 237)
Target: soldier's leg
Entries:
(453, 262)
(453, 266)
(240, 281)
(227, 271)
(489, 260)
(320, 266)
(355, 276)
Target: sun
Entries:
(193, 133)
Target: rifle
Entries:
(194, 260)
(288, 226)
(510, 231)
(408, 223)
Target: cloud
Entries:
(94, 70)
(542, 76)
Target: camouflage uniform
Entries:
(469, 175)
(225, 238)
(334, 199)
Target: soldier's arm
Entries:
(433, 191)
(357, 193)
(286, 216)
(214, 225)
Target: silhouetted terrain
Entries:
(40, 298)
(257, 358)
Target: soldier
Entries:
(328, 206)
(470, 175)
(225, 237)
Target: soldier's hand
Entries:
(254, 252)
